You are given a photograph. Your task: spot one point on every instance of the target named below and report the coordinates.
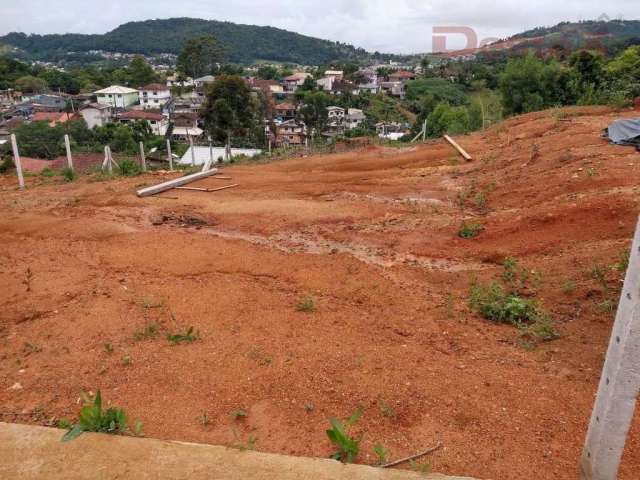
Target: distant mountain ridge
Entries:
(244, 43)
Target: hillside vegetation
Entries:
(244, 43)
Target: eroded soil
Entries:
(371, 235)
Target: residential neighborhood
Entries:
(172, 107)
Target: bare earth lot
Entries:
(372, 236)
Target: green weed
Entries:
(93, 419)
(189, 337)
(348, 447)
(381, 453)
(149, 331)
(306, 304)
(470, 230)
(68, 174)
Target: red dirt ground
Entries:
(372, 235)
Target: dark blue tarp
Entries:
(624, 132)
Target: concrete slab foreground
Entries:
(28, 452)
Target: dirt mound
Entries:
(94, 279)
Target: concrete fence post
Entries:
(16, 160)
(143, 161)
(169, 155)
(67, 146)
(619, 384)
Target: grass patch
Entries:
(187, 337)
(149, 331)
(306, 304)
(470, 230)
(68, 174)
(128, 168)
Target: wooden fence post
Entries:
(143, 161)
(110, 162)
(619, 384)
(169, 155)
(67, 146)
(16, 160)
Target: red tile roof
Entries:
(53, 117)
(141, 115)
(157, 87)
(285, 106)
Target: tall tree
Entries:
(200, 56)
(140, 72)
(229, 109)
(31, 84)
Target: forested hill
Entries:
(244, 43)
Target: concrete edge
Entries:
(30, 452)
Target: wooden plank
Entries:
(194, 188)
(619, 384)
(460, 150)
(177, 182)
(223, 188)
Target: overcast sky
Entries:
(398, 26)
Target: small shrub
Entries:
(306, 304)
(189, 337)
(47, 173)
(7, 164)
(108, 347)
(470, 230)
(348, 447)
(149, 331)
(381, 453)
(128, 167)
(242, 445)
(238, 414)
(494, 303)
(623, 261)
(68, 174)
(93, 419)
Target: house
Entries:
(54, 118)
(117, 96)
(48, 103)
(291, 132)
(292, 82)
(188, 102)
(202, 81)
(97, 114)
(335, 114)
(285, 111)
(401, 76)
(183, 134)
(269, 87)
(354, 118)
(335, 74)
(10, 96)
(391, 130)
(176, 81)
(185, 119)
(154, 96)
(393, 88)
(325, 83)
(156, 121)
(372, 88)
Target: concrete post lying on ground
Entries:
(177, 182)
(16, 160)
(620, 382)
(67, 146)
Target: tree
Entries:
(140, 72)
(447, 119)
(529, 84)
(267, 72)
(229, 109)
(200, 56)
(314, 110)
(123, 140)
(31, 84)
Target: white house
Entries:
(97, 114)
(117, 96)
(175, 81)
(326, 83)
(354, 118)
(156, 121)
(337, 74)
(202, 81)
(154, 96)
(335, 114)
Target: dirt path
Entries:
(371, 235)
